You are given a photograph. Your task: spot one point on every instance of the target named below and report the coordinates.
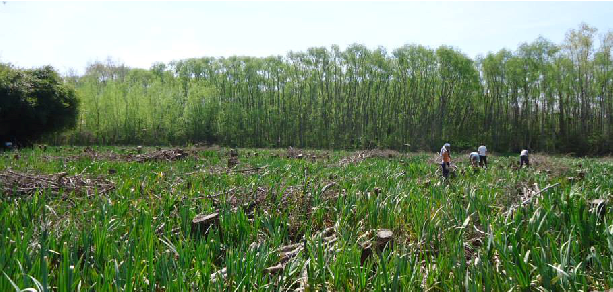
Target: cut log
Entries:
(326, 187)
(275, 269)
(202, 223)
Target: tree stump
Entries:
(599, 206)
(139, 149)
(232, 162)
(377, 191)
(202, 223)
(383, 237)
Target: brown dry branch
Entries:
(161, 155)
(360, 156)
(301, 154)
(251, 170)
(17, 183)
(289, 252)
(528, 195)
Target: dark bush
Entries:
(34, 103)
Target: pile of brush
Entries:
(16, 183)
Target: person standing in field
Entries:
(482, 155)
(475, 159)
(523, 158)
(446, 159)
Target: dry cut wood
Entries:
(202, 223)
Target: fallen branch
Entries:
(251, 169)
(529, 199)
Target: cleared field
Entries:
(114, 219)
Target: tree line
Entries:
(542, 96)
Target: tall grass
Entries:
(448, 235)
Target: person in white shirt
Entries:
(523, 158)
(482, 155)
(475, 159)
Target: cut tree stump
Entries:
(383, 237)
(139, 149)
(232, 162)
(202, 223)
(377, 191)
(599, 206)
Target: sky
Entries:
(71, 35)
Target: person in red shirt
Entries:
(446, 159)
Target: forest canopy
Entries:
(34, 103)
(542, 96)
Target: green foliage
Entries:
(542, 96)
(454, 235)
(34, 103)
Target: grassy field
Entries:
(309, 222)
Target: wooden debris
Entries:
(253, 169)
(377, 191)
(326, 187)
(528, 196)
(15, 183)
(274, 269)
(202, 223)
(219, 275)
(162, 155)
(599, 206)
(383, 237)
(289, 252)
(233, 159)
(304, 279)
